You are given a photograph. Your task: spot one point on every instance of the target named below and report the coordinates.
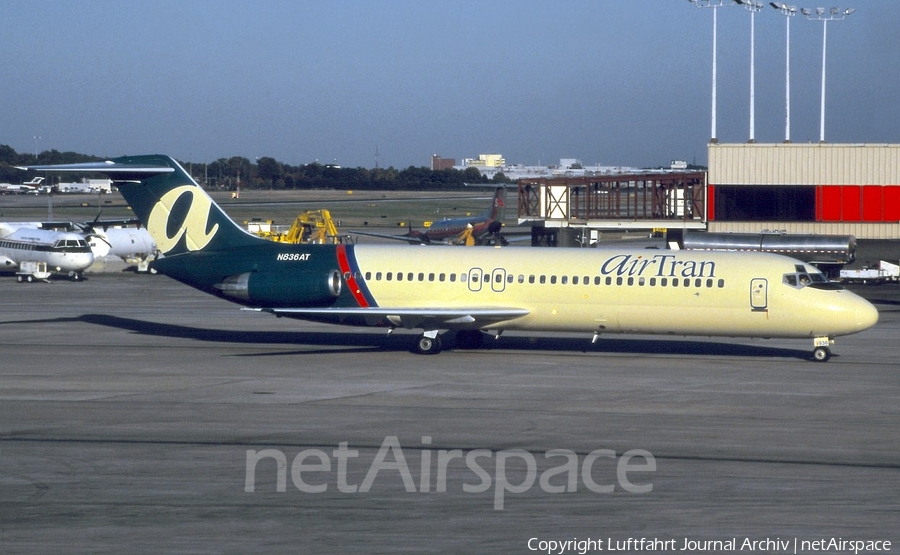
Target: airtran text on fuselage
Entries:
(658, 265)
(292, 256)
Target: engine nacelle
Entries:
(283, 289)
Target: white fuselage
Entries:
(125, 242)
(61, 251)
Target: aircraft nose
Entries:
(863, 313)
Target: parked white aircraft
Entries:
(105, 238)
(26, 249)
(27, 187)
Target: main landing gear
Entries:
(429, 343)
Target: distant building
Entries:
(485, 161)
(491, 164)
(438, 163)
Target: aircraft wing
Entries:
(425, 318)
(84, 225)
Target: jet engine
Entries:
(283, 289)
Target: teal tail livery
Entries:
(443, 289)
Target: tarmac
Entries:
(140, 416)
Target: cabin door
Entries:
(759, 293)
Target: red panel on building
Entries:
(851, 203)
(710, 203)
(892, 203)
(872, 203)
(829, 203)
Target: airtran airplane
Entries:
(469, 291)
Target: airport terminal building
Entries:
(818, 189)
(837, 189)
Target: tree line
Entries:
(267, 173)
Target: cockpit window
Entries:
(809, 276)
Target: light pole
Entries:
(753, 8)
(789, 12)
(834, 14)
(36, 139)
(714, 4)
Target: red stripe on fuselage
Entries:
(349, 277)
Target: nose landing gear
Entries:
(821, 351)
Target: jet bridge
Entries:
(614, 202)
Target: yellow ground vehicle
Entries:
(310, 227)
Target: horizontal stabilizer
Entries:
(105, 167)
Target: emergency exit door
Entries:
(759, 293)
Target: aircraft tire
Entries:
(821, 354)
(427, 345)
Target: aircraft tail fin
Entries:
(180, 216)
(497, 210)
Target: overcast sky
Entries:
(624, 82)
